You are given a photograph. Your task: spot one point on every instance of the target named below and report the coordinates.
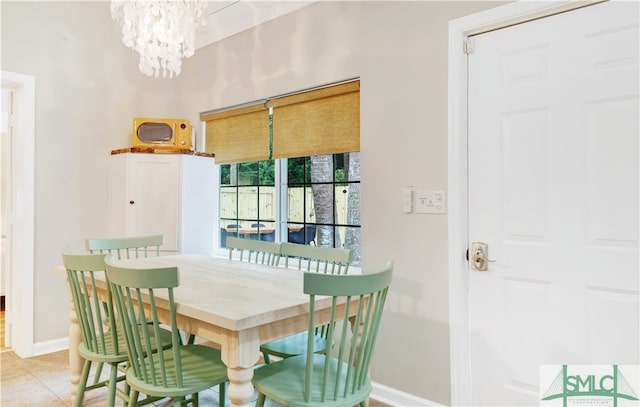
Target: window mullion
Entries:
(282, 199)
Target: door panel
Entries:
(553, 189)
(154, 189)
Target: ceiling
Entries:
(227, 18)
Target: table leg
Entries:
(76, 362)
(240, 390)
(240, 352)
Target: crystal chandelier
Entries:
(161, 31)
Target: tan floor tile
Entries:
(27, 391)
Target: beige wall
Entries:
(88, 89)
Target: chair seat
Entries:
(293, 345)
(284, 383)
(108, 354)
(202, 368)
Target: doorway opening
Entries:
(5, 202)
(18, 213)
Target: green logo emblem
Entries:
(591, 385)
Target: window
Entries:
(316, 200)
(290, 167)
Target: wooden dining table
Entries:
(237, 305)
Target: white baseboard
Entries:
(56, 345)
(399, 398)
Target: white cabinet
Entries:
(171, 194)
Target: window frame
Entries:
(281, 201)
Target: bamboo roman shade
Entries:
(238, 134)
(324, 120)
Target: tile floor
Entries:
(43, 381)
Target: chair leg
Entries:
(127, 388)
(82, 385)
(98, 373)
(265, 356)
(113, 380)
(260, 400)
(133, 398)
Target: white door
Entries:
(553, 191)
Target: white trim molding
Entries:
(394, 397)
(55, 345)
(20, 293)
(459, 30)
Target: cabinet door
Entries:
(152, 205)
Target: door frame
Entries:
(20, 291)
(458, 204)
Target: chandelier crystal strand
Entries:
(162, 32)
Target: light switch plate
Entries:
(430, 202)
(407, 199)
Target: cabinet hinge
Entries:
(467, 46)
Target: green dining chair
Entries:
(103, 341)
(127, 247)
(183, 370)
(254, 251)
(133, 247)
(339, 377)
(326, 260)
